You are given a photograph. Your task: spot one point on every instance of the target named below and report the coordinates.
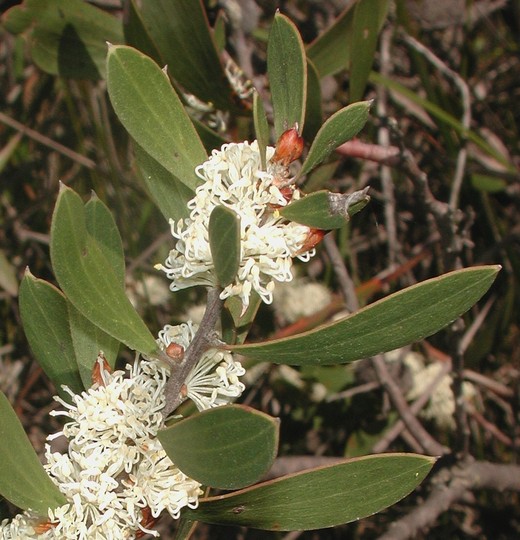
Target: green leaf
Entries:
(43, 309)
(152, 113)
(321, 497)
(169, 194)
(227, 447)
(209, 137)
(488, 183)
(313, 112)
(287, 71)
(235, 324)
(261, 127)
(339, 128)
(67, 37)
(224, 242)
(88, 341)
(102, 227)
(365, 29)
(23, 480)
(86, 276)
(330, 52)
(181, 32)
(325, 210)
(320, 176)
(219, 31)
(136, 34)
(397, 320)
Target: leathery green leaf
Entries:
(321, 497)
(66, 37)
(102, 227)
(169, 194)
(224, 242)
(87, 338)
(153, 114)
(330, 52)
(287, 71)
(89, 341)
(261, 127)
(339, 128)
(313, 112)
(86, 276)
(325, 210)
(23, 480)
(43, 309)
(235, 324)
(183, 37)
(368, 15)
(397, 320)
(226, 447)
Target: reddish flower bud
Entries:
(147, 521)
(100, 365)
(175, 351)
(289, 147)
(314, 237)
(287, 192)
(43, 527)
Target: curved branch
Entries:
(460, 480)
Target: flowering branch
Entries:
(203, 340)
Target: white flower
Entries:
(441, 405)
(233, 177)
(21, 526)
(299, 298)
(214, 380)
(115, 474)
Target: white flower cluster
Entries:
(441, 405)
(233, 177)
(214, 380)
(299, 298)
(115, 476)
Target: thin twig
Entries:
(429, 444)
(385, 155)
(415, 407)
(490, 427)
(383, 138)
(496, 387)
(466, 114)
(351, 392)
(347, 287)
(460, 480)
(203, 340)
(470, 333)
(46, 141)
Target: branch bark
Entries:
(460, 480)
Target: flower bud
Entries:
(175, 351)
(314, 237)
(43, 527)
(101, 366)
(289, 147)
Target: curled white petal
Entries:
(233, 177)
